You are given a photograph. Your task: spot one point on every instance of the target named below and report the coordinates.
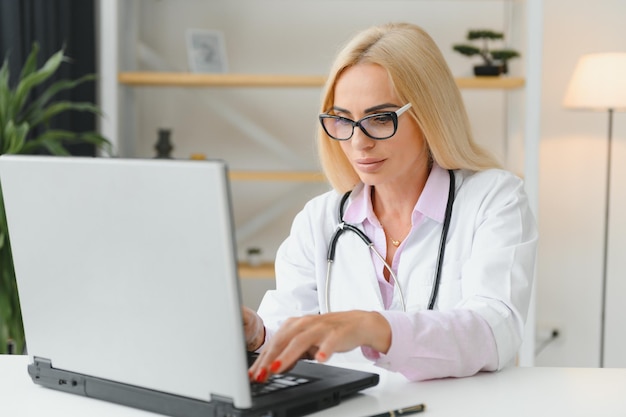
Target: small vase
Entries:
(164, 146)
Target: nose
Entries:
(360, 140)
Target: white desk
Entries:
(512, 392)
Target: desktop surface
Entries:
(512, 392)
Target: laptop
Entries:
(127, 278)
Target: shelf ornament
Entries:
(495, 61)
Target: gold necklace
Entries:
(394, 242)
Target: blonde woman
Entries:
(431, 244)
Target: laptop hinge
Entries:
(228, 401)
(42, 372)
(224, 406)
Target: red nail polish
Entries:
(260, 377)
(321, 356)
(275, 366)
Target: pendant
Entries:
(394, 242)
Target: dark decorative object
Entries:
(254, 256)
(495, 62)
(164, 146)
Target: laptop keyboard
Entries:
(277, 382)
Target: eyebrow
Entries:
(368, 110)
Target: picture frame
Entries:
(206, 51)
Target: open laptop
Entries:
(127, 277)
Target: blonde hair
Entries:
(419, 75)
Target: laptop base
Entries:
(43, 373)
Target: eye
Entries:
(380, 119)
(342, 121)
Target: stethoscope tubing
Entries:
(442, 242)
(343, 226)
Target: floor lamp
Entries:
(599, 83)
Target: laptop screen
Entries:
(126, 271)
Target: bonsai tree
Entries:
(494, 61)
(20, 114)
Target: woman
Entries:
(392, 130)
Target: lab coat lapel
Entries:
(353, 282)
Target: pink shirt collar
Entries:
(431, 203)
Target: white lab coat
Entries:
(488, 266)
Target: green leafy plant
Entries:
(21, 115)
(491, 57)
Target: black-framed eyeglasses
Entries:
(377, 126)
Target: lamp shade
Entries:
(598, 82)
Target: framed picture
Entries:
(206, 51)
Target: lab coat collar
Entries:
(431, 203)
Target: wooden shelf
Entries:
(183, 79)
(501, 83)
(299, 176)
(264, 270)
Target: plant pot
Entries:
(487, 70)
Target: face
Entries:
(363, 90)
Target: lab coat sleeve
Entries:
(297, 260)
(484, 330)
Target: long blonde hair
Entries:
(419, 75)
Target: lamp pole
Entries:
(607, 202)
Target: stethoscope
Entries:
(343, 226)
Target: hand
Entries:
(318, 337)
(254, 329)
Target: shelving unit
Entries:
(297, 176)
(241, 80)
(187, 79)
(261, 271)
(182, 79)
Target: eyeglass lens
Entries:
(376, 126)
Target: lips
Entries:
(369, 164)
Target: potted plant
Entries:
(20, 114)
(495, 61)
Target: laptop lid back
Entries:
(120, 267)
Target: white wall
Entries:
(572, 181)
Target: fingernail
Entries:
(260, 377)
(320, 356)
(249, 374)
(275, 366)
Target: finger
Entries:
(310, 354)
(301, 341)
(288, 345)
(331, 343)
(254, 372)
(266, 361)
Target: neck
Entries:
(396, 202)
